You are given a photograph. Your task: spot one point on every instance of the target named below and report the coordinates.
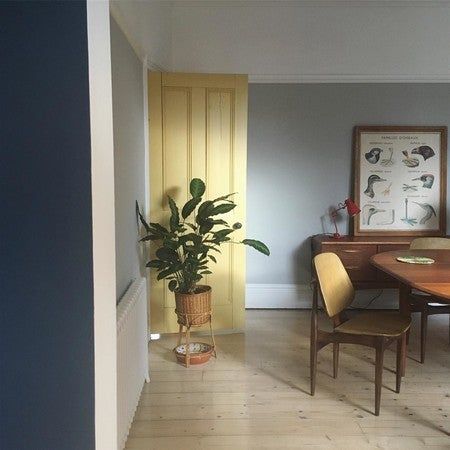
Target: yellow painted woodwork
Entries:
(198, 128)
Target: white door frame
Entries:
(103, 224)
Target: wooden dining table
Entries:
(433, 279)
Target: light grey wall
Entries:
(129, 154)
(300, 158)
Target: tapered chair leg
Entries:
(401, 349)
(423, 335)
(313, 342)
(379, 354)
(313, 366)
(335, 359)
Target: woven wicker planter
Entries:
(194, 309)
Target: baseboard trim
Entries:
(299, 296)
(278, 296)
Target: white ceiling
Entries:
(294, 41)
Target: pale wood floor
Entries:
(256, 394)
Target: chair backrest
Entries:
(430, 243)
(335, 285)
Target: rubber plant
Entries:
(191, 243)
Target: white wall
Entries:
(129, 156)
(281, 41)
(147, 25)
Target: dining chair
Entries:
(372, 329)
(423, 303)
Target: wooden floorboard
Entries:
(255, 395)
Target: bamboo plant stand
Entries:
(194, 310)
(187, 340)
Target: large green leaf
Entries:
(141, 218)
(257, 245)
(167, 254)
(191, 237)
(150, 237)
(175, 217)
(190, 206)
(166, 273)
(220, 222)
(171, 244)
(222, 209)
(155, 264)
(191, 249)
(159, 228)
(172, 285)
(206, 226)
(197, 187)
(204, 210)
(222, 233)
(224, 197)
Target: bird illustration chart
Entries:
(399, 181)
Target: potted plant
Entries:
(188, 247)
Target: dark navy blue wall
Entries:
(46, 287)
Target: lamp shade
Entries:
(352, 207)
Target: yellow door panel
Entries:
(198, 128)
(176, 143)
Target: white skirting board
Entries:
(132, 355)
(298, 296)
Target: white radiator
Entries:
(132, 355)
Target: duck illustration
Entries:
(424, 150)
(370, 182)
(429, 212)
(368, 212)
(427, 179)
(373, 156)
(390, 219)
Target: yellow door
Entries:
(198, 128)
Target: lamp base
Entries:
(337, 236)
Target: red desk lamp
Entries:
(352, 210)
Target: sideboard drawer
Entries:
(355, 253)
(356, 260)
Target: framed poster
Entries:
(400, 180)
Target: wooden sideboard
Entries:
(355, 253)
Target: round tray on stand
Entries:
(199, 353)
